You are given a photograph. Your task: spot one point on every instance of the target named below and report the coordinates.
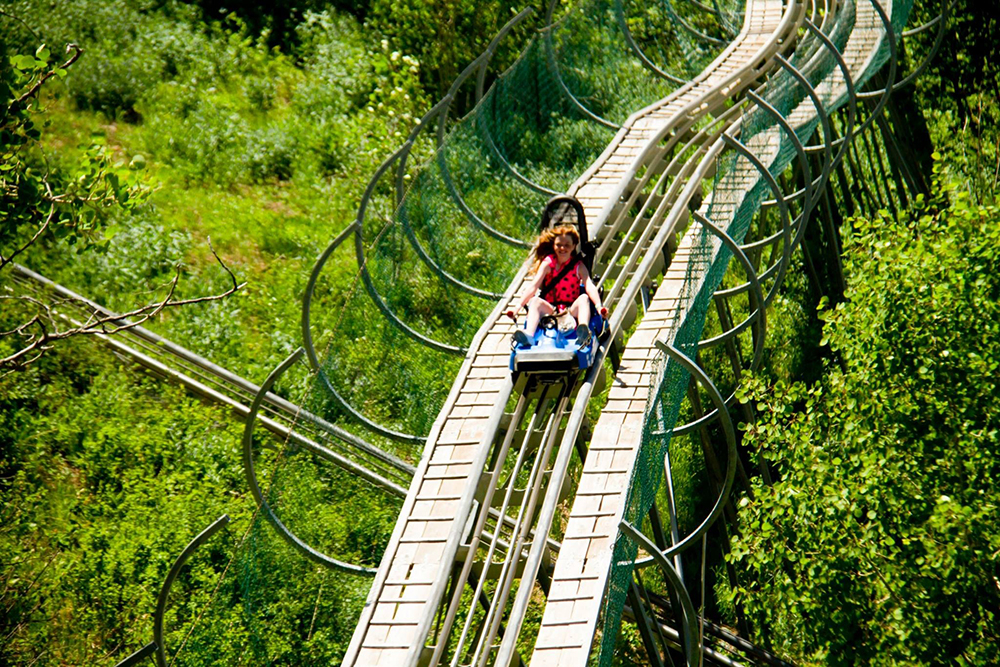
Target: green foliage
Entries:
(107, 474)
(74, 201)
(443, 36)
(105, 478)
(878, 544)
(137, 47)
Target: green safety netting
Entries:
(442, 235)
(710, 261)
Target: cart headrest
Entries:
(564, 210)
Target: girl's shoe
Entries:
(521, 339)
(582, 335)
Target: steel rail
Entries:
(581, 399)
(491, 489)
(810, 197)
(575, 422)
(726, 84)
(678, 169)
(631, 279)
(798, 225)
(230, 389)
(675, 354)
(675, 132)
(560, 465)
(708, 101)
(506, 579)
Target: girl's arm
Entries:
(532, 290)
(592, 291)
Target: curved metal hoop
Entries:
(477, 64)
(813, 189)
(887, 90)
(692, 647)
(524, 180)
(550, 52)
(366, 278)
(809, 193)
(690, 28)
(357, 229)
(411, 235)
(941, 20)
(786, 249)
(440, 111)
(759, 336)
(809, 199)
(820, 111)
(852, 99)
(251, 478)
(400, 156)
(484, 130)
(313, 357)
(730, 433)
(759, 315)
(175, 569)
(637, 50)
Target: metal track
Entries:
(212, 382)
(472, 545)
(415, 612)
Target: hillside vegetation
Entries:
(259, 129)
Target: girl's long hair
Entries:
(545, 245)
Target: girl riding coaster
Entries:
(562, 287)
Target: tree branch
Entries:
(22, 22)
(40, 331)
(31, 92)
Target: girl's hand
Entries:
(604, 312)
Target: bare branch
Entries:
(22, 22)
(40, 330)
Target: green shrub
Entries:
(878, 543)
(270, 154)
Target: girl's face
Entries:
(564, 246)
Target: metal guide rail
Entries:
(474, 550)
(212, 382)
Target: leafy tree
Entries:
(958, 92)
(74, 205)
(879, 542)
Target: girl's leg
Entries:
(537, 307)
(580, 310)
